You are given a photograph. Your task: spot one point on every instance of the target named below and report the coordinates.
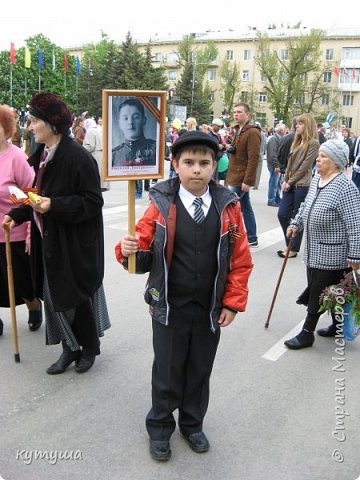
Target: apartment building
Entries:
(340, 48)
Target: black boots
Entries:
(66, 358)
(35, 320)
(83, 360)
(329, 331)
(302, 340)
(86, 361)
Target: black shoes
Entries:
(85, 361)
(66, 358)
(35, 320)
(329, 331)
(197, 441)
(302, 340)
(281, 254)
(160, 450)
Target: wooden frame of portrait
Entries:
(133, 134)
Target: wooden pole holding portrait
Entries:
(133, 142)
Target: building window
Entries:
(157, 57)
(284, 54)
(348, 100)
(329, 54)
(261, 118)
(247, 54)
(173, 58)
(263, 77)
(327, 77)
(350, 53)
(211, 75)
(245, 75)
(171, 75)
(284, 76)
(229, 55)
(300, 100)
(262, 97)
(244, 96)
(347, 121)
(325, 99)
(212, 96)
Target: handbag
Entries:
(223, 163)
(350, 329)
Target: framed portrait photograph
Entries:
(133, 134)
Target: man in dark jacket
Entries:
(284, 148)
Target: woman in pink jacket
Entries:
(15, 171)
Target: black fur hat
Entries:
(51, 109)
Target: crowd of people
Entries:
(194, 240)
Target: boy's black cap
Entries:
(194, 138)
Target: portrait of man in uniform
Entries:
(133, 134)
(135, 149)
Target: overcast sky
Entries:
(69, 23)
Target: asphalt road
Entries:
(274, 414)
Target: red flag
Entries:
(354, 73)
(12, 53)
(66, 63)
(336, 71)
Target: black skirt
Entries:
(23, 287)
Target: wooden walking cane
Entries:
(279, 281)
(6, 228)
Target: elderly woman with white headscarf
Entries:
(330, 218)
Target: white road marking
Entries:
(275, 352)
(268, 238)
(109, 212)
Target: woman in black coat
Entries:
(67, 244)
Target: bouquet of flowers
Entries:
(344, 299)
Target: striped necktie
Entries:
(199, 215)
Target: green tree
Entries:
(28, 81)
(107, 66)
(191, 89)
(230, 83)
(290, 79)
(98, 72)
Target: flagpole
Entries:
(351, 83)
(11, 86)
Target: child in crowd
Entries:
(192, 241)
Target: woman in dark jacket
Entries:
(67, 245)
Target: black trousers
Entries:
(318, 280)
(184, 353)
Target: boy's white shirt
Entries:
(188, 198)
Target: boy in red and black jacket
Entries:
(192, 241)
